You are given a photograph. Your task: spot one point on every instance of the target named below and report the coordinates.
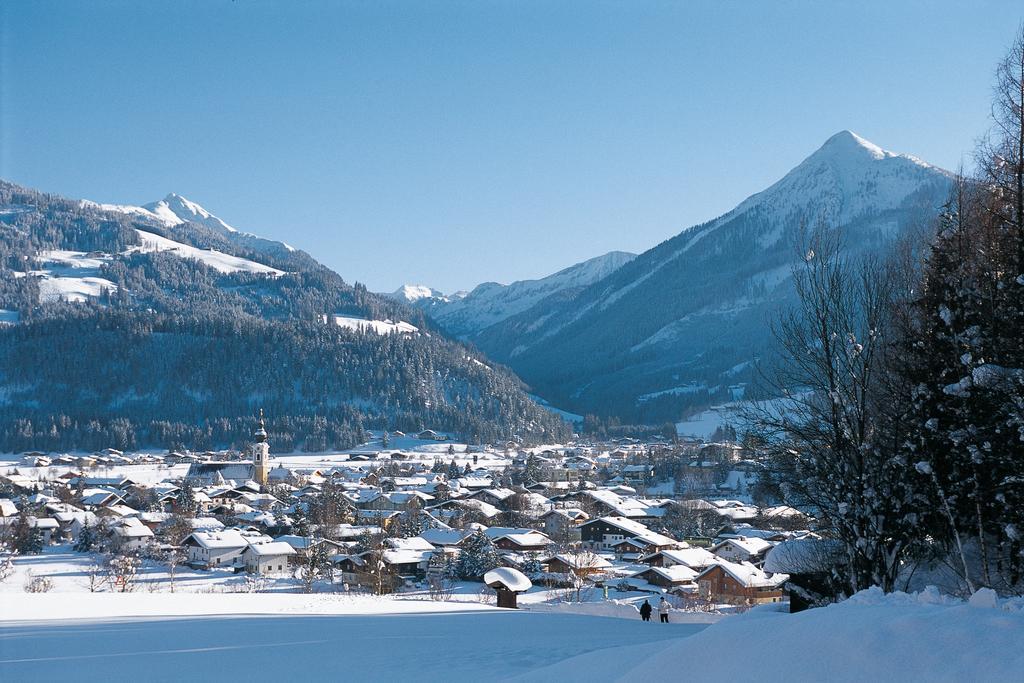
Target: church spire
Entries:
(261, 453)
(261, 432)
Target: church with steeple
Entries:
(258, 470)
(261, 454)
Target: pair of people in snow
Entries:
(663, 608)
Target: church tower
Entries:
(261, 454)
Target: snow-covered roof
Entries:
(533, 538)
(7, 507)
(748, 575)
(636, 529)
(675, 573)
(510, 578)
(695, 558)
(414, 543)
(752, 546)
(274, 548)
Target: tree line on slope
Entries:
(910, 448)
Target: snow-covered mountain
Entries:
(680, 324)
(153, 324)
(413, 293)
(466, 315)
(175, 210)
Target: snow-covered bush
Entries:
(37, 584)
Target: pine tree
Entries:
(454, 472)
(185, 504)
(478, 557)
(533, 472)
(86, 539)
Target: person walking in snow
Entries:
(645, 611)
(663, 608)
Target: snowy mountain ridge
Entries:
(465, 315)
(175, 210)
(688, 311)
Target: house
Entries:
(131, 534)
(740, 584)
(444, 538)
(47, 526)
(267, 558)
(98, 497)
(220, 548)
(629, 548)
(694, 558)
(561, 521)
(497, 497)
(470, 505)
(302, 545)
(532, 541)
(604, 532)
(742, 549)
(582, 564)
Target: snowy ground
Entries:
(455, 642)
(205, 630)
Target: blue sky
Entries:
(451, 143)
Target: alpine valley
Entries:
(683, 325)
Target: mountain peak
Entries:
(177, 208)
(846, 142)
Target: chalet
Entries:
(694, 558)
(496, 497)
(47, 527)
(629, 548)
(97, 497)
(603, 533)
(637, 473)
(474, 483)
(267, 558)
(742, 549)
(408, 564)
(561, 520)
(740, 584)
(533, 541)
(445, 538)
(468, 505)
(582, 564)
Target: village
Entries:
(413, 516)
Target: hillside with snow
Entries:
(465, 315)
(164, 324)
(680, 325)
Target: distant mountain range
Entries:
(646, 338)
(466, 315)
(163, 325)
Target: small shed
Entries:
(508, 583)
